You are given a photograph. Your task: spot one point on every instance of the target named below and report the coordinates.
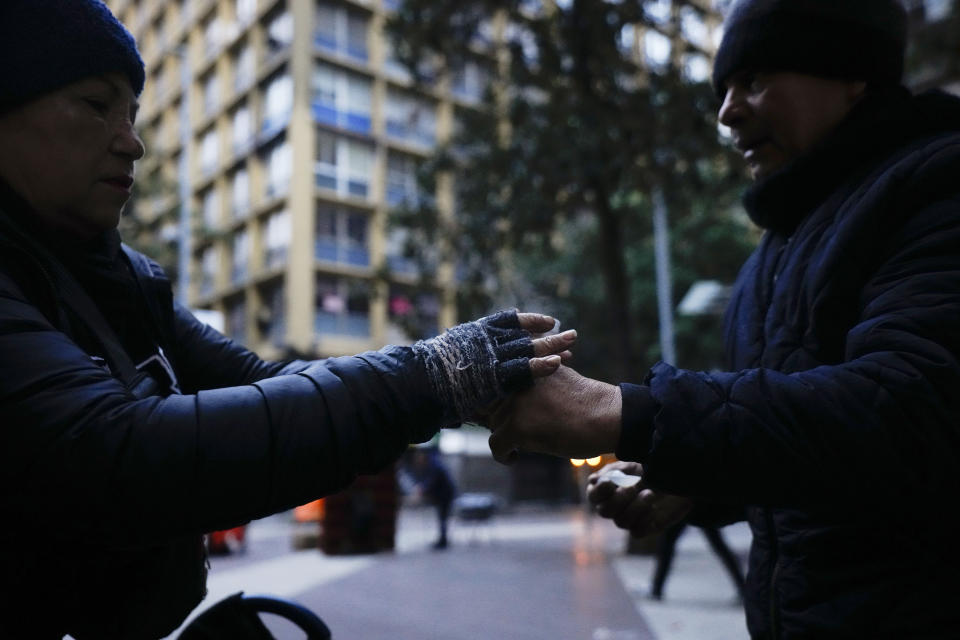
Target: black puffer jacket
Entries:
(840, 425)
(104, 494)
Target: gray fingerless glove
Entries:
(476, 363)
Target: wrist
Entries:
(605, 408)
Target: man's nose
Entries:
(733, 108)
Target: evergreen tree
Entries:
(554, 175)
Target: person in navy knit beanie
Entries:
(129, 428)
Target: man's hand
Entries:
(639, 510)
(548, 350)
(564, 414)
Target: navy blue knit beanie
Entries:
(845, 39)
(47, 44)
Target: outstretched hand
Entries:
(637, 508)
(564, 414)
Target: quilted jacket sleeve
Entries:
(206, 359)
(83, 459)
(882, 426)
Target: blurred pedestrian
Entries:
(837, 423)
(432, 481)
(666, 547)
(128, 427)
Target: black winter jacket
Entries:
(839, 423)
(104, 494)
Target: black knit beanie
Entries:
(845, 39)
(46, 44)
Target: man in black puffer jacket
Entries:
(838, 423)
(127, 427)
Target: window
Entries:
(356, 35)
(279, 166)
(209, 152)
(237, 320)
(276, 239)
(341, 236)
(240, 193)
(183, 9)
(341, 98)
(278, 102)
(161, 31)
(210, 209)
(243, 69)
(402, 186)
(246, 10)
(342, 306)
(209, 265)
(416, 314)
(392, 64)
(160, 84)
(342, 31)
(211, 94)
(325, 167)
(469, 81)
(343, 165)
(274, 319)
(410, 118)
(279, 32)
(241, 257)
(242, 130)
(212, 37)
(397, 260)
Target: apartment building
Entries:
(289, 129)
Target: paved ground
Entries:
(530, 575)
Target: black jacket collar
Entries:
(876, 127)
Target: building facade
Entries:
(289, 131)
(281, 132)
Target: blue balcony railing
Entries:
(354, 324)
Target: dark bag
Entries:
(236, 618)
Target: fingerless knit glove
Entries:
(476, 363)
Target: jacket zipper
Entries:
(775, 551)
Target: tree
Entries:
(554, 175)
(933, 55)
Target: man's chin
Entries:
(761, 170)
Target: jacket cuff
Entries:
(636, 427)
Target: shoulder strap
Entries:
(157, 294)
(78, 300)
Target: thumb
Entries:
(503, 447)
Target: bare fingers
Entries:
(554, 344)
(536, 322)
(542, 367)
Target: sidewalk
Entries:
(539, 574)
(700, 602)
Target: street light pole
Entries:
(661, 244)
